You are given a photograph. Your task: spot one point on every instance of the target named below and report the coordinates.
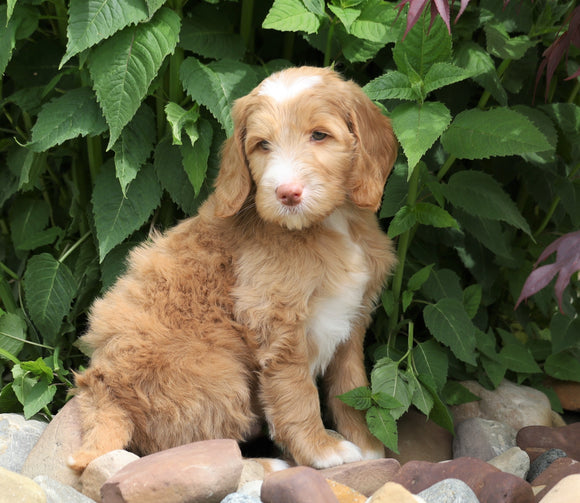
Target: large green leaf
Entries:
(12, 333)
(118, 215)
(500, 44)
(74, 113)
(291, 15)
(449, 324)
(358, 398)
(49, 288)
(519, 358)
(375, 22)
(391, 85)
(124, 66)
(134, 145)
(421, 213)
(27, 218)
(479, 134)
(564, 366)
(431, 360)
(417, 126)
(387, 378)
(195, 156)
(92, 21)
(217, 86)
(443, 74)
(33, 392)
(481, 195)
(382, 425)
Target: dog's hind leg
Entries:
(105, 426)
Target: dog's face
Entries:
(306, 140)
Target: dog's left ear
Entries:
(376, 150)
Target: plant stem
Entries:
(246, 24)
(328, 49)
(95, 156)
(65, 255)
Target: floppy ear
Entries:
(233, 182)
(376, 150)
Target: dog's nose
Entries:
(289, 194)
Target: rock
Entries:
(240, 498)
(59, 440)
(101, 469)
(17, 488)
(198, 472)
(252, 488)
(543, 461)
(17, 438)
(59, 493)
(559, 469)
(391, 493)
(482, 438)
(300, 484)
(251, 470)
(568, 392)
(514, 461)
(512, 404)
(345, 494)
(487, 482)
(565, 491)
(421, 439)
(449, 491)
(366, 477)
(537, 439)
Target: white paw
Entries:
(346, 452)
(373, 453)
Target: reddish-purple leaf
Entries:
(567, 248)
(441, 7)
(416, 8)
(462, 8)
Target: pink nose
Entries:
(289, 194)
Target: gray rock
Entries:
(449, 491)
(482, 438)
(543, 461)
(17, 438)
(514, 461)
(59, 493)
(252, 488)
(240, 498)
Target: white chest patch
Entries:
(281, 89)
(333, 316)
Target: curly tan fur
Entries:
(228, 318)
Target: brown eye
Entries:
(264, 145)
(318, 136)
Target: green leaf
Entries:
(291, 15)
(454, 393)
(134, 146)
(417, 126)
(481, 195)
(396, 190)
(472, 300)
(403, 221)
(49, 289)
(519, 358)
(500, 44)
(124, 66)
(391, 85)
(8, 28)
(74, 113)
(443, 74)
(347, 16)
(439, 413)
(448, 322)
(479, 134)
(564, 366)
(565, 332)
(33, 393)
(416, 280)
(494, 370)
(487, 231)
(117, 216)
(208, 33)
(39, 368)
(383, 426)
(182, 120)
(92, 21)
(195, 156)
(430, 214)
(443, 283)
(12, 333)
(385, 401)
(386, 378)
(423, 46)
(375, 22)
(431, 360)
(358, 398)
(28, 217)
(422, 398)
(217, 85)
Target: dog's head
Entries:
(307, 140)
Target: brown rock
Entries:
(559, 469)
(366, 477)
(565, 491)
(488, 483)
(568, 392)
(510, 403)
(59, 440)
(535, 440)
(300, 484)
(422, 440)
(197, 472)
(345, 494)
(101, 469)
(391, 493)
(17, 488)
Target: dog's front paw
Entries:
(341, 452)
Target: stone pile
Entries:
(509, 447)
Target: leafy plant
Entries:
(113, 113)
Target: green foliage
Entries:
(113, 113)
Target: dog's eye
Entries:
(318, 136)
(264, 145)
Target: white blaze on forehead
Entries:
(281, 89)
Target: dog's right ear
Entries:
(233, 182)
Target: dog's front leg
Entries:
(347, 372)
(292, 408)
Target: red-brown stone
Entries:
(535, 440)
(300, 484)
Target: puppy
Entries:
(229, 318)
